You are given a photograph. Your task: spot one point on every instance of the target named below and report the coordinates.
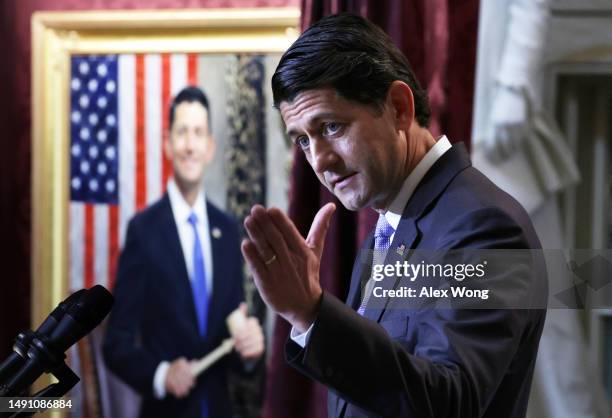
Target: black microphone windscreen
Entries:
(56, 315)
(82, 317)
(92, 308)
(62, 308)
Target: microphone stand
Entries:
(20, 352)
(41, 355)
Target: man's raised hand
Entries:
(286, 266)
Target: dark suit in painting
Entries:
(154, 318)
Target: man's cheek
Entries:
(323, 182)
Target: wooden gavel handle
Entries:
(234, 322)
(211, 358)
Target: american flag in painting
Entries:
(118, 118)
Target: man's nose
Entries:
(190, 140)
(323, 156)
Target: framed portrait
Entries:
(102, 85)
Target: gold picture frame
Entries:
(58, 35)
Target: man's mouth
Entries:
(190, 161)
(342, 181)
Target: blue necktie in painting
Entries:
(382, 242)
(198, 284)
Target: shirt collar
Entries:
(180, 207)
(394, 213)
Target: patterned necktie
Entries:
(198, 284)
(382, 242)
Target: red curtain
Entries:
(439, 39)
(15, 145)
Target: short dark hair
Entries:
(351, 55)
(189, 94)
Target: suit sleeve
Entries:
(450, 362)
(123, 352)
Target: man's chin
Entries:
(188, 181)
(352, 203)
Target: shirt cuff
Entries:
(159, 380)
(301, 339)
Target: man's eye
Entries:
(302, 141)
(331, 128)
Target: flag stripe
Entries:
(192, 72)
(153, 69)
(88, 248)
(178, 78)
(166, 74)
(127, 135)
(141, 149)
(113, 243)
(100, 244)
(77, 227)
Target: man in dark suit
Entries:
(352, 104)
(178, 279)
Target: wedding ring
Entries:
(271, 260)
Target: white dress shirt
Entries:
(181, 211)
(394, 213)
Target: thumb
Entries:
(319, 227)
(244, 308)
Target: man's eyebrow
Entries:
(314, 121)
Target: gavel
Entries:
(235, 321)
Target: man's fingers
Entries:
(250, 345)
(182, 389)
(258, 237)
(250, 330)
(287, 228)
(180, 380)
(244, 309)
(271, 233)
(319, 227)
(252, 353)
(253, 259)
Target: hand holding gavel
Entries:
(246, 337)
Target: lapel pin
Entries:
(400, 249)
(216, 232)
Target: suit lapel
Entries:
(435, 181)
(403, 241)
(177, 261)
(429, 188)
(216, 246)
(361, 272)
(406, 234)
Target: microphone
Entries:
(46, 352)
(82, 318)
(24, 338)
(58, 313)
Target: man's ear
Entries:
(401, 102)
